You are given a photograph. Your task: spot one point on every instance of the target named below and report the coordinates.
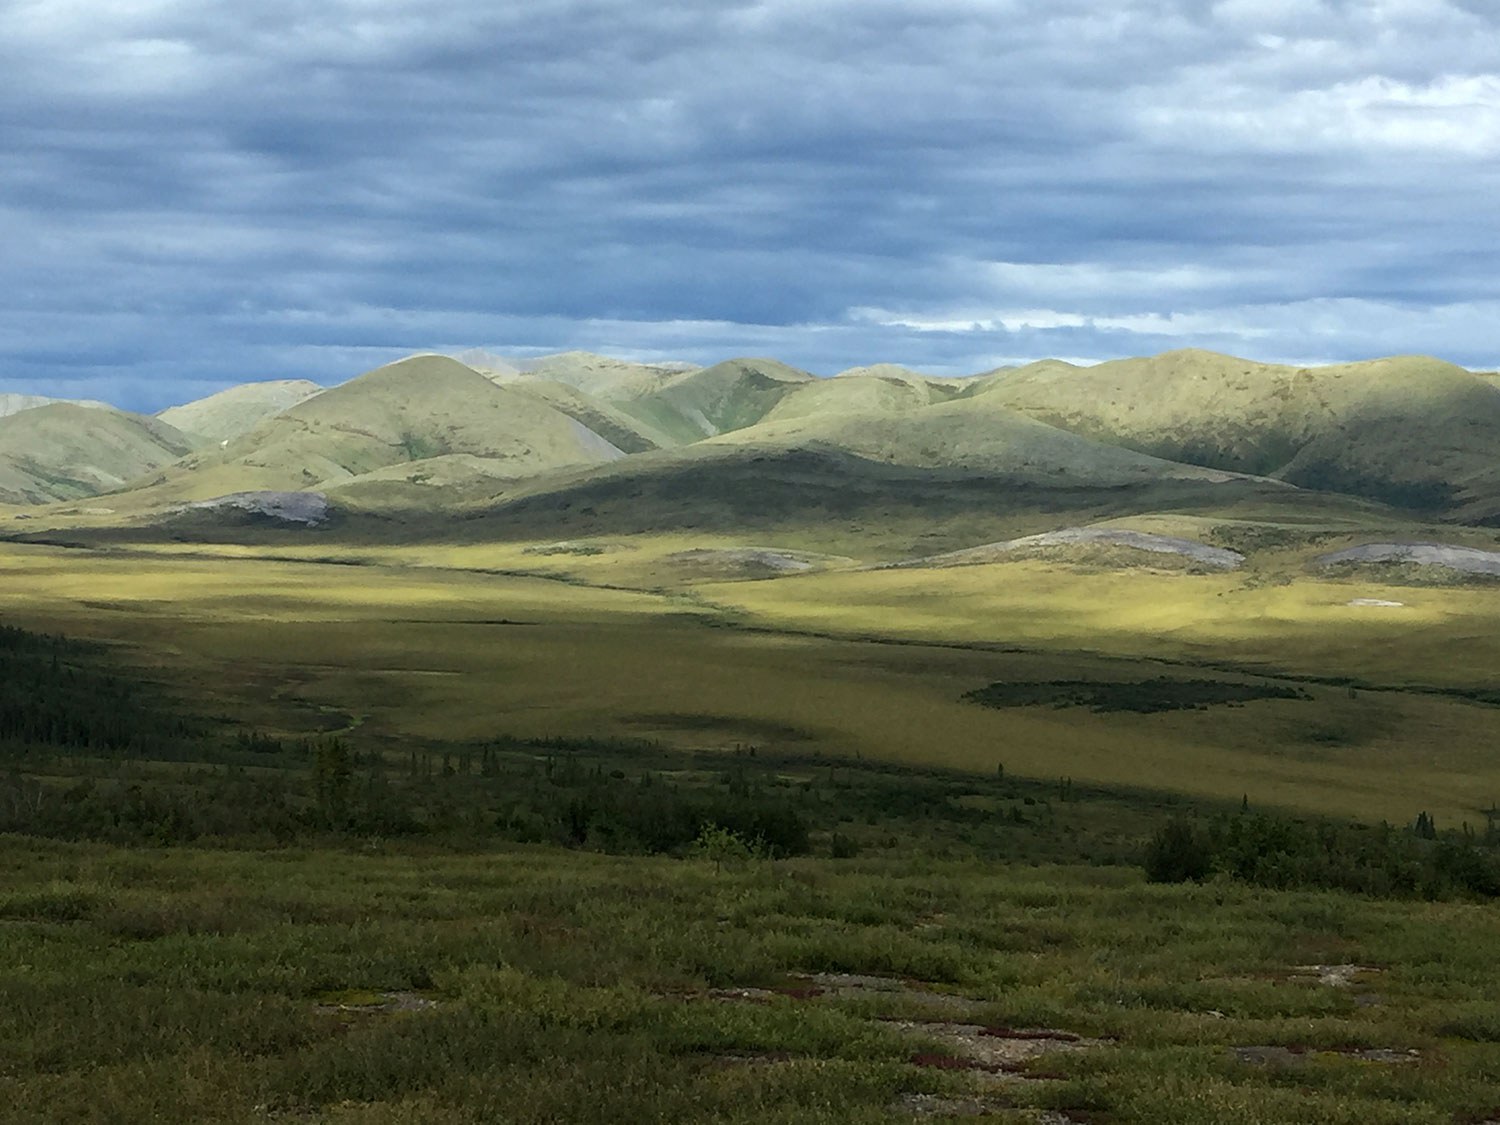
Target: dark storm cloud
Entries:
(197, 192)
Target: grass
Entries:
(570, 987)
(462, 978)
(431, 654)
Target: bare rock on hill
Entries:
(307, 508)
(752, 560)
(1218, 558)
(1464, 560)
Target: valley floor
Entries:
(977, 756)
(1373, 713)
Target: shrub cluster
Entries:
(1143, 696)
(1283, 853)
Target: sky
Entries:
(196, 193)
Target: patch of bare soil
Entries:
(857, 984)
(1002, 1052)
(1292, 1056)
(810, 986)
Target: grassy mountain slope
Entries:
(854, 394)
(971, 435)
(815, 494)
(630, 435)
(1408, 430)
(715, 400)
(941, 385)
(601, 376)
(419, 408)
(238, 410)
(11, 403)
(418, 488)
(66, 451)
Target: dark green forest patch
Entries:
(1142, 696)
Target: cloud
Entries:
(195, 192)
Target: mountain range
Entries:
(583, 443)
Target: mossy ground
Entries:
(193, 985)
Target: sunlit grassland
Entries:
(206, 985)
(1437, 636)
(424, 653)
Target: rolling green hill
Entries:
(630, 435)
(238, 410)
(715, 400)
(67, 451)
(432, 434)
(969, 435)
(424, 407)
(1409, 430)
(818, 496)
(11, 403)
(599, 375)
(847, 394)
(942, 386)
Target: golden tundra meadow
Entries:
(451, 644)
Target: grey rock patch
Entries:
(1390, 1056)
(307, 508)
(574, 547)
(1374, 603)
(1334, 976)
(1218, 558)
(1265, 1056)
(386, 1002)
(859, 982)
(1291, 1056)
(1465, 560)
(751, 558)
(755, 995)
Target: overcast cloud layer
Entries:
(200, 192)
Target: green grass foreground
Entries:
(538, 985)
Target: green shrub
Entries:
(1178, 852)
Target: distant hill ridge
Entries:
(427, 430)
(238, 410)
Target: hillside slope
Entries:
(714, 400)
(424, 407)
(12, 403)
(973, 435)
(1408, 430)
(67, 451)
(601, 376)
(238, 410)
(630, 435)
(847, 394)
